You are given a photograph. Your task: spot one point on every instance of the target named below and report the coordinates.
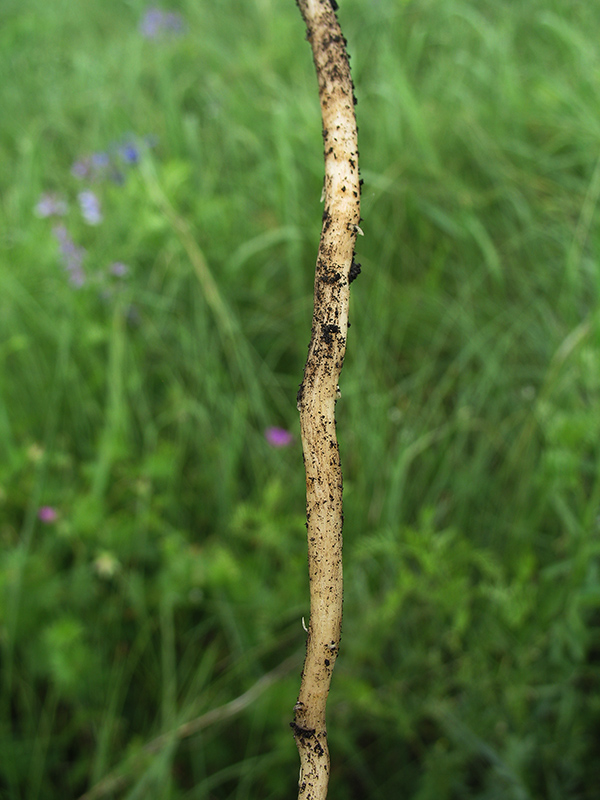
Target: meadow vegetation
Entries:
(159, 221)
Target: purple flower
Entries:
(50, 205)
(72, 256)
(173, 22)
(90, 207)
(278, 437)
(77, 278)
(47, 515)
(151, 23)
(92, 167)
(156, 23)
(81, 169)
(119, 269)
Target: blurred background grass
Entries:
(153, 561)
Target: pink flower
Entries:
(47, 515)
(278, 437)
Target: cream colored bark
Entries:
(319, 389)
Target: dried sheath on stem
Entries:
(319, 388)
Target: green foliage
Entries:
(167, 574)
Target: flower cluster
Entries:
(101, 166)
(112, 164)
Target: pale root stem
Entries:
(319, 391)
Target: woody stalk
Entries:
(318, 392)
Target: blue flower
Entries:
(90, 207)
(129, 153)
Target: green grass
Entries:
(174, 577)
